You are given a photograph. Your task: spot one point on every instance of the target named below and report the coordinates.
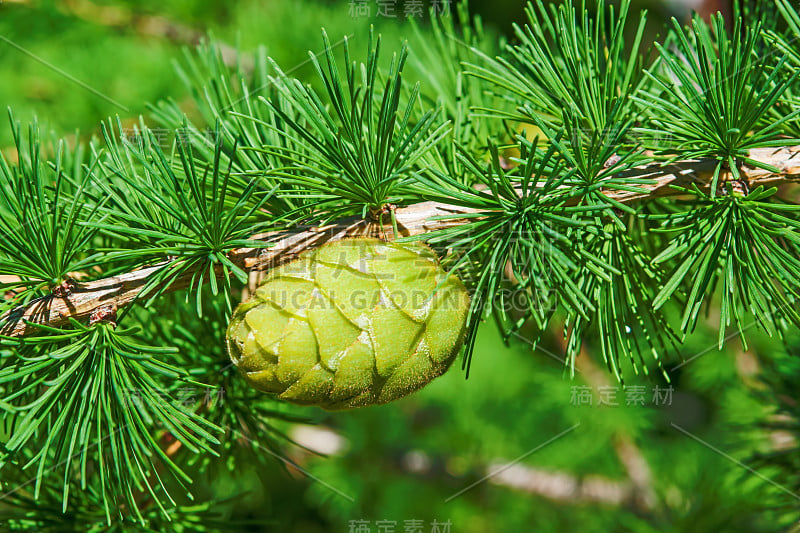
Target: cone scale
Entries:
(352, 323)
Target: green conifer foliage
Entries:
(593, 196)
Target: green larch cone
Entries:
(352, 323)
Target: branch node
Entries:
(104, 313)
(65, 288)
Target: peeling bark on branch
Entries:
(415, 219)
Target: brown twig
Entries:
(415, 219)
(567, 488)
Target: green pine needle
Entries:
(363, 137)
(43, 216)
(96, 402)
(716, 94)
(187, 216)
(746, 249)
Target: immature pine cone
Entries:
(352, 323)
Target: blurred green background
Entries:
(519, 446)
(73, 63)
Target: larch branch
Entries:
(412, 220)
